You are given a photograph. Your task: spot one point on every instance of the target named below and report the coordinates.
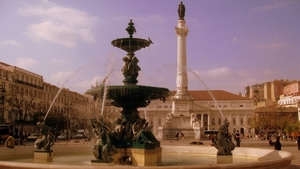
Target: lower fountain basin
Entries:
(242, 158)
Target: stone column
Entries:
(181, 79)
(202, 121)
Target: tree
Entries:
(24, 105)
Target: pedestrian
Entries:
(182, 136)
(277, 144)
(298, 142)
(237, 139)
(176, 135)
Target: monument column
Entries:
(182, 101)
(181, 78)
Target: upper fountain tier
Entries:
(131, 44)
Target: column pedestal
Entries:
(226, 159)
(43, 156)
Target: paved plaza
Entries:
(289, 146)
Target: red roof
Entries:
(204, 95)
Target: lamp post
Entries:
(3, 91)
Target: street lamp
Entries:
(3, 91)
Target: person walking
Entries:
(237, 139)
(177, 135)
(277, 144)
(182, 136)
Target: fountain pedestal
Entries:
(138, 156)
(43, 156)
(226, 159)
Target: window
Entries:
(233, 121)
(3, 74)
(213, 121)
(242, 120)
(219, 121)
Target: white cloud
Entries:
(26, 63)
(10, 42)
(215, 73)
(60, 25)
(58, 33)
(270, 46)
(268, 7)
(58, 60)
(62, 77)
(87, 83)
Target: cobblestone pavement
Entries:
(289, 146)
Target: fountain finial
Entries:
(130, 28)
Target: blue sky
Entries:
(230, 44)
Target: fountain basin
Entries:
(130, 45)
(266, 158)
(132, 95)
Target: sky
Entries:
(230, 44)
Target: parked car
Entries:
(33, 137)
(80, 134)
(62, 136)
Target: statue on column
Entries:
(181, 11)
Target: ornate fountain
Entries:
(134, 133)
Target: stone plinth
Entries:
(138, 156)
(144, 157)
(43, 156)
(225, 159)
(10, 142)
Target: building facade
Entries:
(26, 88)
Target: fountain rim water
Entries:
(275, 158)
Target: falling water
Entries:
(105, 84)
(68, 79)
(63, 85)
(145, 113)
(212, 96)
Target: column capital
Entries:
(181, 31)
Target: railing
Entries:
(29, 84)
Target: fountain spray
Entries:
(212, 96)
(105, 82)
